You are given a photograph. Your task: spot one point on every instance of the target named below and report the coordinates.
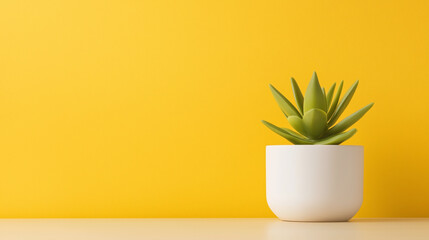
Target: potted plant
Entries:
(315, 179)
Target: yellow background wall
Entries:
(153, 108)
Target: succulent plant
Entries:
(315, 114)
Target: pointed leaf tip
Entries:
(329, 95)
(285, 105)
(299, 98)
(343, 103)
(314, 97)
(333, 105)
(314, 74)
(349, 121)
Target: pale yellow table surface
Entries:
(210, 228)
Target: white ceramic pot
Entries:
(314, 182)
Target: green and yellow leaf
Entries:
(285, 105)
(333, 106)
(343, 104)
(293, 138)
(349, 121)
(315, 123)
(299, 99)
(330, 94)
(336, 139)
(314, 97)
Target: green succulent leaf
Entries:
(336, 139)
(315, 123)
(286, 134)
(349, 121)
(335, 100)
(297, 123)
(299, 99)
(330, 94)
(285, 105)
(291, 132)
(314, 97)
(314, 117)
(343, 104)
